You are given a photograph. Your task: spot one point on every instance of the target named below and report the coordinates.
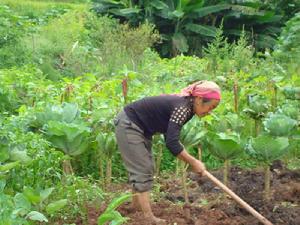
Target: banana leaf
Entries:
(266, 148)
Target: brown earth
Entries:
(208, 205)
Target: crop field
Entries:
(68, 67)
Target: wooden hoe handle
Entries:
(237, 199)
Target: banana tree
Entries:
(225, 146)
(187, 25)
(107, 145)
(265, 149)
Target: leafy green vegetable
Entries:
(266, 148)
(279, 125)
(72, 139)
(55, 206)
(225, 145)
(258, 106)
(292, 92)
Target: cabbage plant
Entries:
(258, 107)
(71, 138)
(279, 124)
(67, 112)
(65, 129)
(291, 92)
(225, 146)
(265, 149)
(291, 110)
(231, 121)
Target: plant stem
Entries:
(267, 192)
(108, 172)
(183, 180)
(67, 167)
(226, 171)
(235, 91)
(158, 161)
(275, 91)
(257, 127)
(199, 153)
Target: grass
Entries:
(36, 8)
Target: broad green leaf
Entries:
(55, 206)
(70, 112)
(22, 205)
(109, 216)
(44, 194)
(180, 42)
(158, 4)
(2, 185)
(17, 155)
(225, 145)
(205, 30)
(36, 216)
(119, 221)
(8, 166)
(4, 154)
(32, 195)
(178, 13)
(118, 201)
(204, 11)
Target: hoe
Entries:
(237, 199)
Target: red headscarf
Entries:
(205, 89)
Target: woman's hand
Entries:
(198, 167)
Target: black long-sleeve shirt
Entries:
(164, 114)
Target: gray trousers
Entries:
(136, 153)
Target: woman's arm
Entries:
(197, 165)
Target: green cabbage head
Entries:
(266, 148)
(279, 124)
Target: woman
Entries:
(165, 114)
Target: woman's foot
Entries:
(155, 220)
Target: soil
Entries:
(208, 205)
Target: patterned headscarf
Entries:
(205, 89)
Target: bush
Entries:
(287, 50)
(118, 45)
